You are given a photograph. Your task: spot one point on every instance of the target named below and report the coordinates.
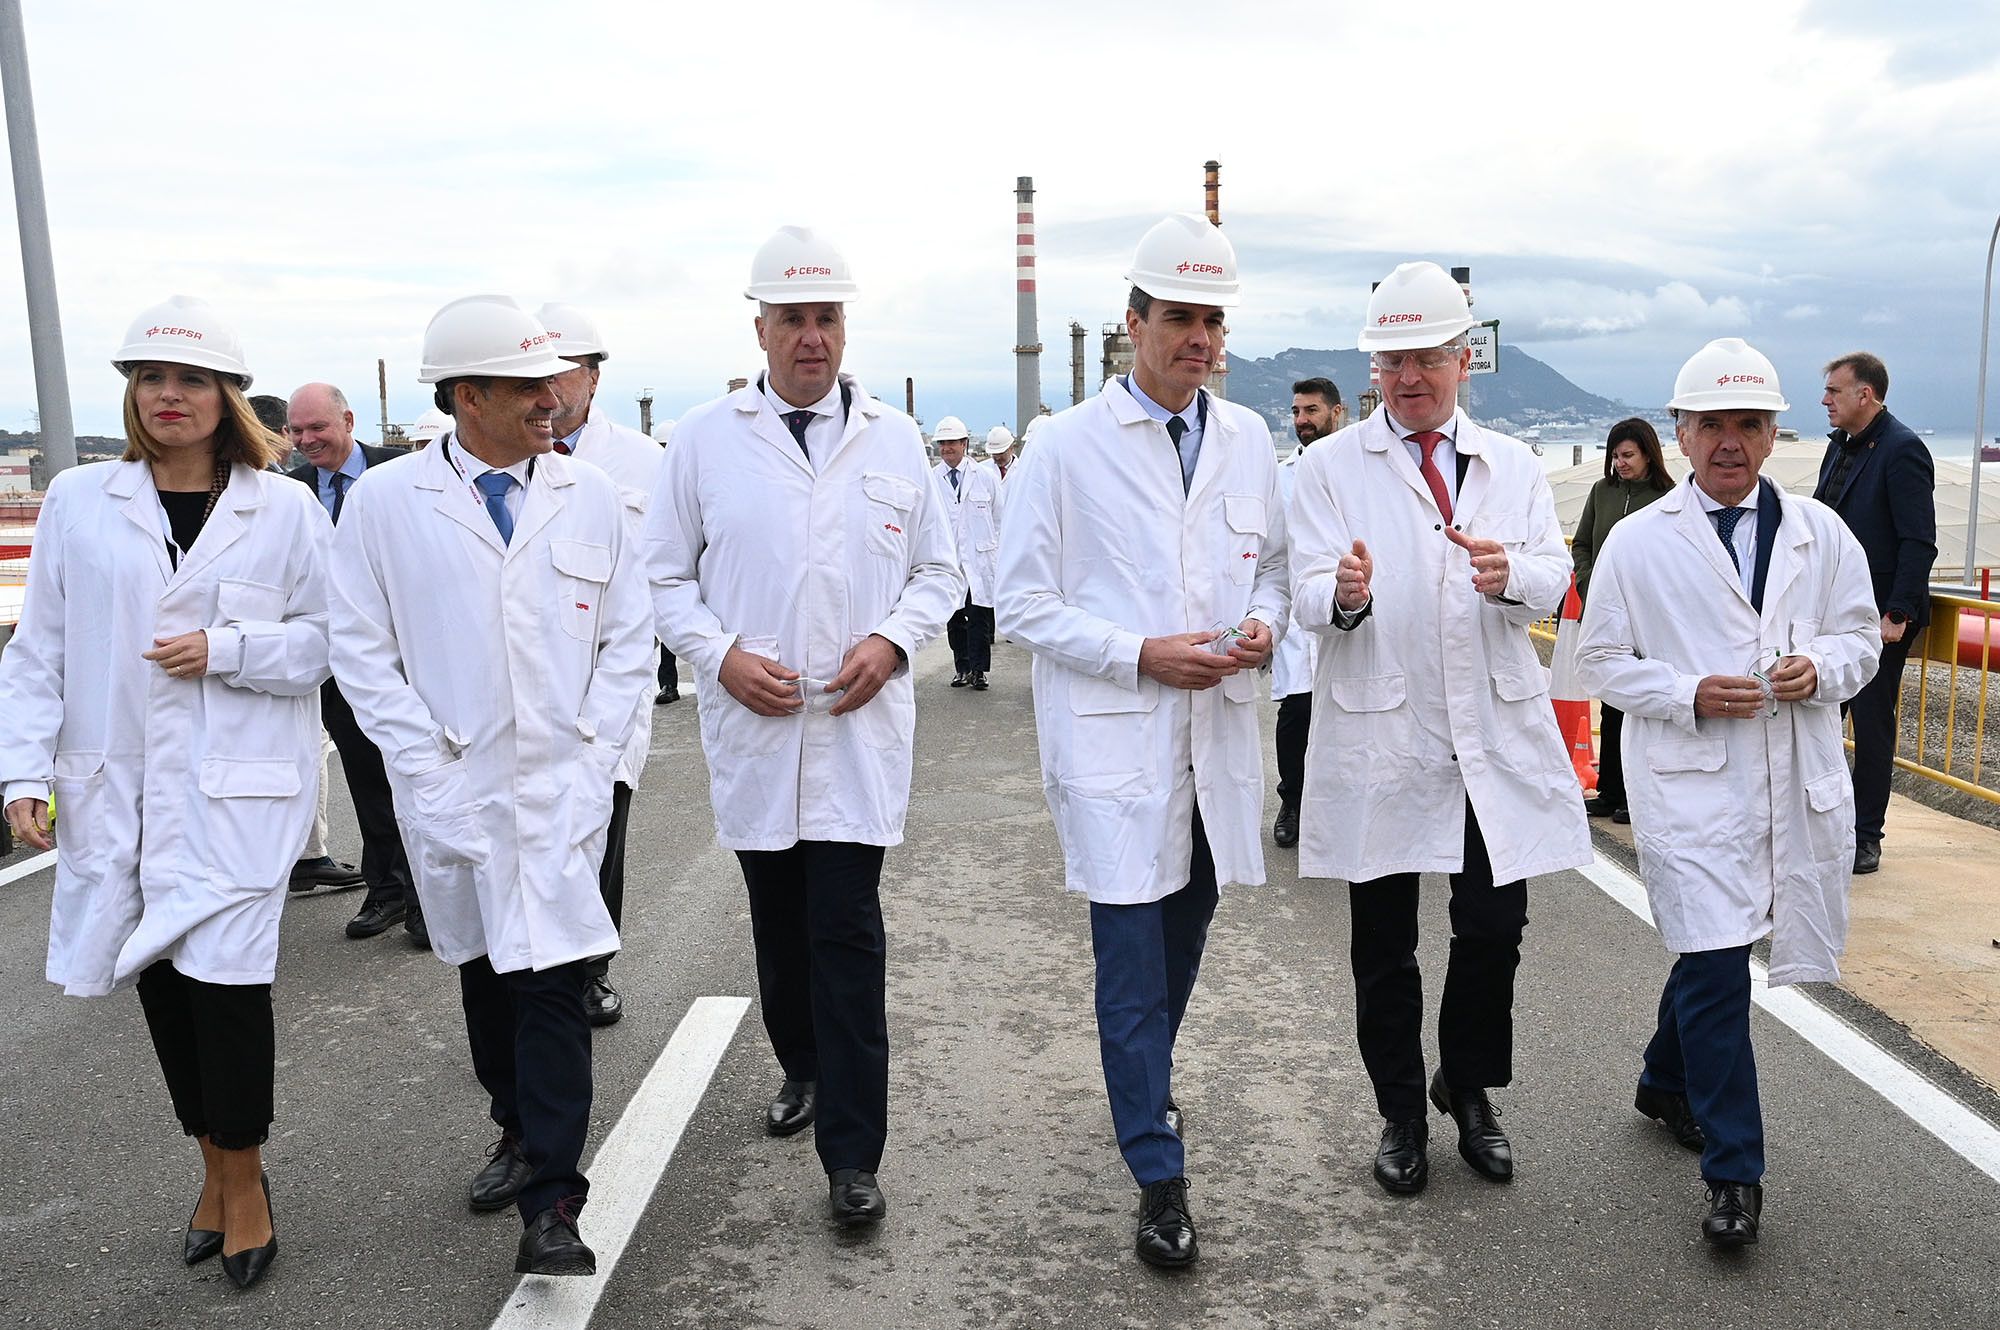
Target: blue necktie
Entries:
(1725, 526)
(496, 485)
(954, 480)
(1177, 431)
(796, 422)
(340, 480)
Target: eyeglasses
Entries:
(1392, 362)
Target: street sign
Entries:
(1484, 339)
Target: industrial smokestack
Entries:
(1075, 362)
(646, 412)
(1211, 186)
(910, 396)
(1027, 350)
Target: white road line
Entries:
(46, 859)
(629, 1164)
(1909, 1090)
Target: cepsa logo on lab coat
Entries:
(1721, 379)
(808, 272)
(173, 332)
(1206, 269)
(1399, 318)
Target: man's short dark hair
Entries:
(441, 398)
(1318, 384)
(1140, 303)
(273, 413)
(1867, 368)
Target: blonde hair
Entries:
(239, 435)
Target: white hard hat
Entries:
(571, 330)
(998, 440)
(1727, 374)
(1416, 306)
(663, 431)
(950, 430)
(430, 424)
(1186, 257)
(183, 330)
(798, 266)
(487, 335)
(1033, 425)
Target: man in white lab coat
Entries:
(800, 556)
(1423, 548)
(1317, 411)
(632, 461)
(1729, 621)
(1143, 563)
(972, 497)
(492, 638)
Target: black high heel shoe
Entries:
(247, 1267)
(200, 1243)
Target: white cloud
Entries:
(1799, 312)
(1558, 310)
(1881, 315)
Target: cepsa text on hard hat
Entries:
(1738, 378)
(173, 332)
(1399, 318)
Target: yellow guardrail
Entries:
(1953, 663)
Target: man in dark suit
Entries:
(1879, 477)
(321, 427)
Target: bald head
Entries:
(320, 426)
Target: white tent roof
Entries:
(1795, 466)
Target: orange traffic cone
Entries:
(1572, 706)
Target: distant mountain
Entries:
(1526, 392)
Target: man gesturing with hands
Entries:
(1143, 563)
(1434, 748)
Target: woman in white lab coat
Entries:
(164, 685)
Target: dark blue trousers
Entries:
(1702, 1048)
(1147, 959)
(530, 1040)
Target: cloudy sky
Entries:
(1626, 182)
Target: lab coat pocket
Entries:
(441, 792)
(1242, 686)
(729, 727)
(249, 778)
(584, 569)
(1667, 757)
(1803, 633)
(1830, 815)
(240, 601)
(1248, 525)
(1510, 531)
(1110, 737)
(79, 809)
(590, 797)
(1522, 684)
(891, 499)
(1381, 692)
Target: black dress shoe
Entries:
(602, 1002)
(1173, 1116)
(324, 871)
(200, 1243)
(246, 1267)
(1622, 816)
(1166, 1235)
(1672, 1112)
(1733, 1208)
(961, 679)
(666, 697)
(550, 1244)
(495, 1186)
(1403, 1162)
(854, 1198)
(419, 931)
(979, 681)
(1285, 830)
(1599, 806)
(376, 917)
(793, 1110)
(1867, 859)
(1480, 1141)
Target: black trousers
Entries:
(1476, 1018)
(218, 1051)
(611, 873)
(1610, 760)
(970, 631)
(530, 1040)
(1873, 711)
(816, 916)
(1295, 715)
(670, 673)
(385, 866)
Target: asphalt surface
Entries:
(1009, 1205)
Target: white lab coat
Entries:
(1101, 550)
(500, 682)
(632, 460)
(1438, 696)
(747, 545)
(974, 511)
(181, 804)
(1292, 663)
(1744, 827)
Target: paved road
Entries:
(1008, 1203)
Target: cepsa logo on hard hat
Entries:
(1721, 379)
(808, 272)
(1206, 269)
(530, 343)
(1399, 318)
(173, 332)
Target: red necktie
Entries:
(1428, 441)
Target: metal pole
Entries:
(382, 396)
(1979, 410)
(57, 432)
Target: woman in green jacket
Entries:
(1635, 474)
